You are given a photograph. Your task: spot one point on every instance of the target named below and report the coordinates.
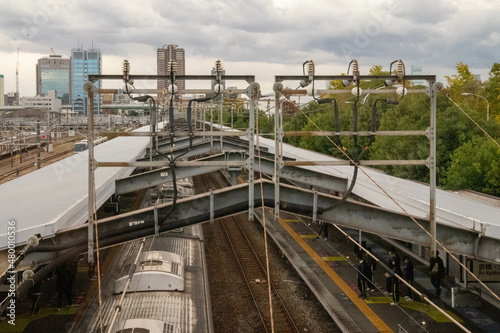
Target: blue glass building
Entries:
(83, 63)
(53, 72)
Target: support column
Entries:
(433, 86)
(278, 160)
(252, 92)
(221, 122)
(211, 126)
(91, 89)
(38, 144)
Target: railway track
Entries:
(30, 165)
(253, 270)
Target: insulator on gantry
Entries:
(218, 71)
(310, 70)
(126, 70)
(355, 70)
(400, 69)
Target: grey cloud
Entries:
(256, 31)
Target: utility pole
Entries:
(90, 88)
(38, 144)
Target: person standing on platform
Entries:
(62, 285)
(362, 271)
(395, 265)
(437, 273)
(372, 266)
(323, 228)
(408, 270)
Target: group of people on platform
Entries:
(367, 265)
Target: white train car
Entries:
(82, 145)
(168, 290)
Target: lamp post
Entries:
(487, 104)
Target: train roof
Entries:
(177, 311)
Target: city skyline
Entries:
(283, 34)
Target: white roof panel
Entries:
(451, 209)
(55, 197)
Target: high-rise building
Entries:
(1, 91)
(83, 64)
(164, 56)
(53, 72)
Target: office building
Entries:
(83, 64)
(48, 102)
(1, 91)
(10, 99)
(53, 72)
(164, 56)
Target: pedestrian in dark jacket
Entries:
(362, 271)
(323, 228)
(408, 274)
(394, 263)
(372, 266)
(437, 273)
(64, 285)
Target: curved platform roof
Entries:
(55, 197)
(452, 209)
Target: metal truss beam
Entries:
(95, 77)
(163, 175)
(232, 200)
(205, 148)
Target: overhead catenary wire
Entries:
(118, 307)
(264, 227)
(94, 210)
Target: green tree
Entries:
(461, 82)
(462, 78)
(475, 165)
(493, 92)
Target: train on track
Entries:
(83, 144)
(168, 290)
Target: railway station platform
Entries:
(328, 266)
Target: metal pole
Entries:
(278, 87)
(432, 166)
(221, 123)
(251, 91)
(151, 127)
(38, 145)
(212, 127)
(90, 142)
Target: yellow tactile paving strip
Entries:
(375, 320)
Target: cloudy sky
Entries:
(259, 37)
